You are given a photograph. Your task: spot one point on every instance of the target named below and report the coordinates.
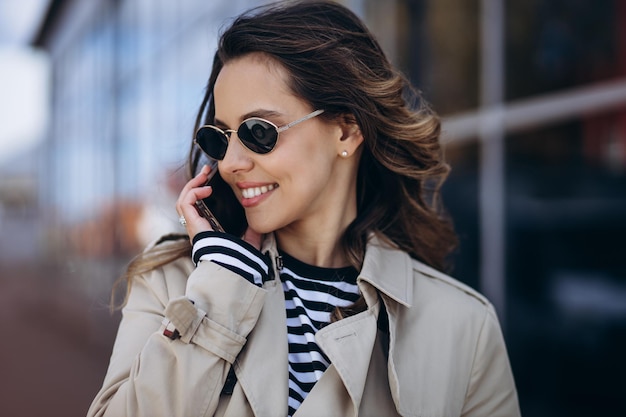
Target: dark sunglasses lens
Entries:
(212, 142)
(258, 135)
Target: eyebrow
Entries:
(262, 113)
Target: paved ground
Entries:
(56, 341)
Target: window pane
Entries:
(438, 50)
(565, 266)
(558, 44)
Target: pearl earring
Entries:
(344, 154)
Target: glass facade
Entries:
(438, 50)
(127, 85)
(533, 99)
(566, 272)
(559, 44)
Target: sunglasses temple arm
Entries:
(295, 122)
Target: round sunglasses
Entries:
(258, 135)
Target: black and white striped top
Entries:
(311, 294)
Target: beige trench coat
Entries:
(446, 354)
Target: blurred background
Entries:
(97, 103)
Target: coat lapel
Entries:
(262, 366)
(348, 344)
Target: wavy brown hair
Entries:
(334, 63)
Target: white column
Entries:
(492, 169)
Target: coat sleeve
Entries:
(152, 375)
(491, 390)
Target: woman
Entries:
(331, 304)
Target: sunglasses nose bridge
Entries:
(237, 145)
(237, 157)
(228, 133)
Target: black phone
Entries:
(202, 207)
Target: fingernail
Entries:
(202, 170)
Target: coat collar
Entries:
(389, 270)
(385, 267)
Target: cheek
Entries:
(312, 180)
(315, 150)
(308, 169)
(302, 160)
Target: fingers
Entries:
(193, 191)
(197, 181)
(196, 190)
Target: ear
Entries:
(351, 137)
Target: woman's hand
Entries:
(193, 191)
(196, 190)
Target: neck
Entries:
(322, 250)
(318, 241)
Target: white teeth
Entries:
(256, 191)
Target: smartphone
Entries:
(202, 207)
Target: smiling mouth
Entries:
(257, 191)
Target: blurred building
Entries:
(533, 96)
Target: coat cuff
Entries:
(224, 310)
(182, 319)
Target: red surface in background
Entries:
(55, 344)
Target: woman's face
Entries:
(303, 184)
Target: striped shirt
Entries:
(311, 294)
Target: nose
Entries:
(237, 157)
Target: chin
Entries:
(261, 227)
